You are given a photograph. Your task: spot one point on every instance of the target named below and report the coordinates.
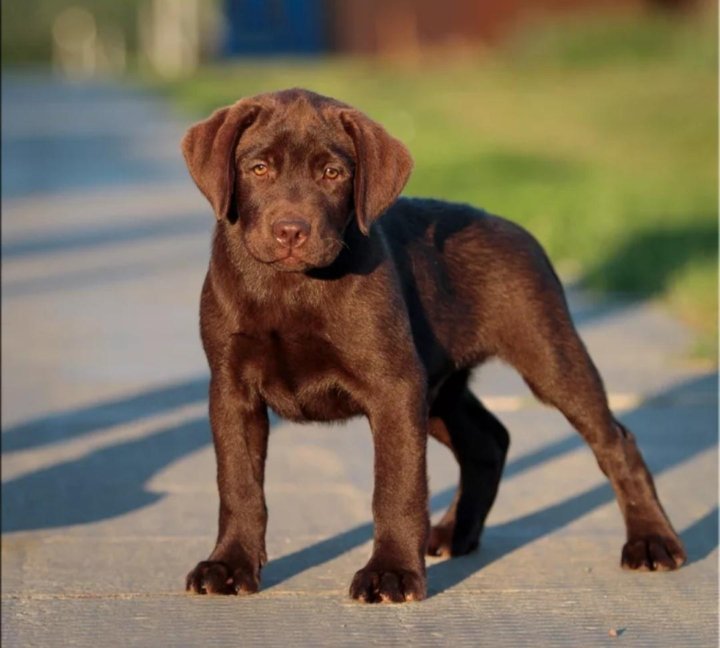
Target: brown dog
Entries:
(328, 297)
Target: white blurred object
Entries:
(170, 35)
(80, 51)
(74, 43)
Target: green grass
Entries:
(599, 135)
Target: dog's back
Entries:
(470, 280)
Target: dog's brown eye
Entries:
(260, 169)
(331, 173)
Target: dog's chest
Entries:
(301, 375)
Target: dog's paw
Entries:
(387, 586)
(441, 542)
(215, 577)
(653, 552)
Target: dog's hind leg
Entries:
(545, 348)
(480, 444)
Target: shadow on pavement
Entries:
(101, 485)
(663, 446)
(701, 537)
(62, 426)
(662, 452)
(87, 238)
(110, 481)
(56, 428)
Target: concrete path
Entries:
(108, 474)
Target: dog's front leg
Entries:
(396, 569)
(240, 431)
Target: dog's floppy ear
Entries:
(209, 149)
(382, 167)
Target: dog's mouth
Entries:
(295, 261)
(291, 261)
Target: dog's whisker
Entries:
(335, 241)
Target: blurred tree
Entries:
(87, 37)
(27, 25)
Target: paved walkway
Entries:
(108, 476)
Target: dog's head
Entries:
(290, 169)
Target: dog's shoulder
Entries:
(414, 219)
(410, 219)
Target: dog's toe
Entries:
(653, 553)
(208, 577)
(243, 582)
(215, 577)
(440, 542)
(387, 586)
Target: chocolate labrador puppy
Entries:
(329, 297)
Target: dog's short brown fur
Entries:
(328, 297)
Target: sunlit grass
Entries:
(600, 136)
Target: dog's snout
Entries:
(291, 232)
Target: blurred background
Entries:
(591, 122)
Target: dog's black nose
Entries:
(291, 233)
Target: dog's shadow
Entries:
(662, 452)
(111, 480)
